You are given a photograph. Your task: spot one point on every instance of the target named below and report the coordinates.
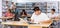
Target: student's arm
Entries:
(57, 18)
(32, 18)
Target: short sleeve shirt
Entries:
(38, 18)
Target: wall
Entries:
(23, 1)
(0, 8)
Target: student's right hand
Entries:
(32, 20)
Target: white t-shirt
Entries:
(11, 6)
(52, 15)
(38, 18)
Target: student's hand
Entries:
(32, 20)
(28, 15)
(56, 18)
(23, 15)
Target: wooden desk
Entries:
(5, 17)
(15, 23)
(18, 23)
(40, 25)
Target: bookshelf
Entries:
(44, 6)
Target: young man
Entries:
(38, 16)
(52, 14)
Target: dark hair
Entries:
(12, 2)
(53, 10)
(6, 2)
(23, 11)
(36, 9)
(9, 10)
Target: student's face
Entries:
(23, 13)
(52, 11)
(37, 12)
(8, 11)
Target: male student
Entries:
(38, 16)
(52, 14)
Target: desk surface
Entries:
(18, 23)
(15, 23)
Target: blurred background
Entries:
(28, 6)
